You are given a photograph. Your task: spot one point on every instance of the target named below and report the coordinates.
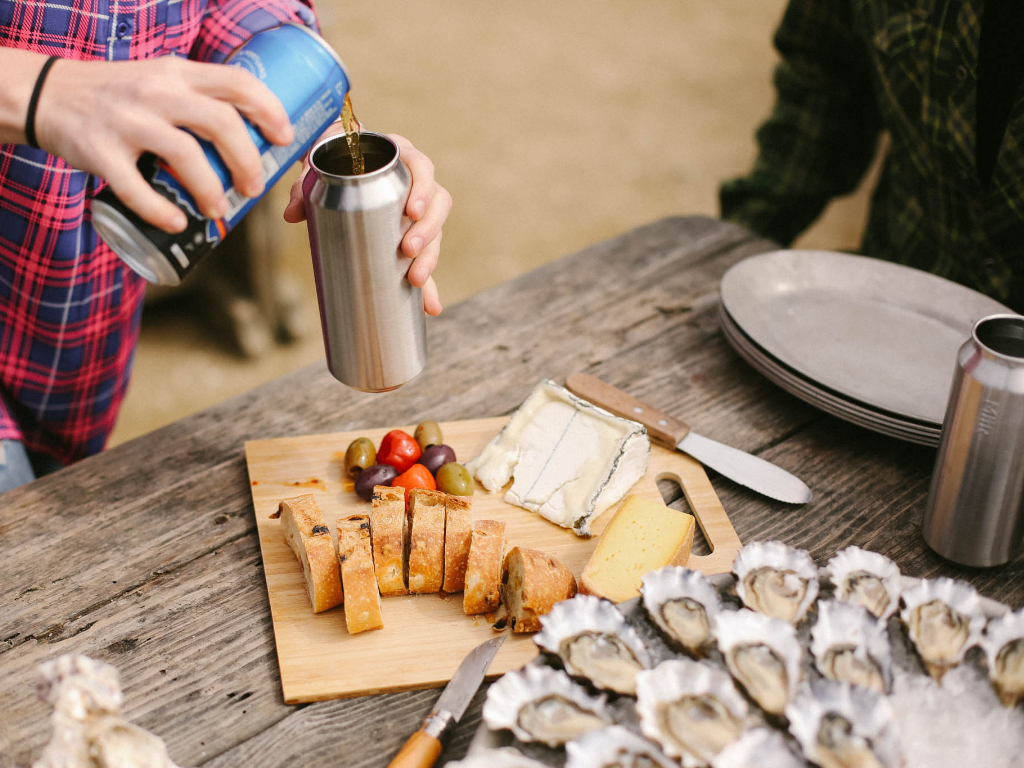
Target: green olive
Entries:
(455, 479)
(360, 455)
(428, 433)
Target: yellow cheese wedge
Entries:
(641, 537)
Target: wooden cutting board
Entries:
(425, 637)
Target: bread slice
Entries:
(458, 533)
(304, 531)
(426, 541)
(483, 568)
(355, 557)
(532, 582)
(387, 531)
(642, 536)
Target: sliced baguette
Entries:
(426, 541)
(304, 531)
(387, 531)
(355, 557)
(458, 534)
(483, 568)
(532, 583)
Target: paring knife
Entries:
(424, 747)
(674, 434)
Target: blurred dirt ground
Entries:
(553, 125)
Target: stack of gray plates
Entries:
(869, 341)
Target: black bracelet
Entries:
(30, 118)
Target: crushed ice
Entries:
(960, 723)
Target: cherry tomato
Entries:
(417, 476)
(399, 449)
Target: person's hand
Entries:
(101, 116)
(428, 207)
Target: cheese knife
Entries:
(424, 747)
(672, 433)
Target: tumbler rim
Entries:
(354, 177)
(1016, 319)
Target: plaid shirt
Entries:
(69, 308)
(852, 69)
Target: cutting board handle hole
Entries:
(672, 492)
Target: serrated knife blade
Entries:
(423, 747)
(672, 433)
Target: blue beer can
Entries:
(310, 80)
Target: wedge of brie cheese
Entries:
(570, 460)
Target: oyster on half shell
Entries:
(615, 747)
(683, 603)
(762, 654)
(593, 640)
(839, 725)
(691, 708)
(943, 618)
(542, 704)
(850, 646)
(776, 580)
(1004, 649)
(867, 578)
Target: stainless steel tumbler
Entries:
(372, 317)
(975, 514)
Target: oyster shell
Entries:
(88, 726)
(1004, 648)
(839, 725)
(758, 746)
(850, 646)
(504, 757)
(542, 704)
(689, 707)
(614, 747)
(683, 603)
(593, 640)
(762, 654)
(775, 579)
(943, 618)
(867, 578)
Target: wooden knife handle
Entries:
(420, 751)
(663, 429)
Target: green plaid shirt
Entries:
(852, 69)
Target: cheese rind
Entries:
(568, 459)
(641, 537)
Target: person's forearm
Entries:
(823, 130)
(20, 68)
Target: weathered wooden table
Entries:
(146, 556)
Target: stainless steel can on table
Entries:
(371, 315)
(975, 511)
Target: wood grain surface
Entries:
(147, 556)
(425, 637)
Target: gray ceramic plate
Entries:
(880, 333)
(864, 416)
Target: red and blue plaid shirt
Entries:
(69, 308)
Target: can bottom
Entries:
(361, 385)
(134, 249)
